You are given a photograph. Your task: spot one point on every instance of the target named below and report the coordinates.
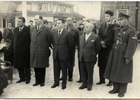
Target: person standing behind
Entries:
(22, 50)
(119, 68)
(106, 33)
(31, 24)
(89, 48)
(74, 33)
(8, 33)
(63, 43)
(0, 37)
(40, 52)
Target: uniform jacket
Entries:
(124, 47)
(89, 48)
(62, 45)
(22, 47)
(40, 43)
(106, 34)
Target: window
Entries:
(39, 6)
(45, 7)
(28, 7)
(62, 8)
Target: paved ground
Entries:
(28, 91)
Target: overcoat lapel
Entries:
(62, 33)
(90, 37)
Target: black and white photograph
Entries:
(69, 49)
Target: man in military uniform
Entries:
(106, 33)
(120, 63)
(74, 33)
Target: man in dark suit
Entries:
(63, 44)
(74, 33)
(40, 52)
(89, 48)
(106, 33)
(22, 50)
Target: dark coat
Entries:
(8, 54)
(90, 48)
(3, 79)
(6, 32)
(0, 36)
(63, 44)
(40, 43)
(106, 35)
(22, 47)
(124, 47)
(74, 33)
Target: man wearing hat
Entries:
(119, 68)
(106, 32)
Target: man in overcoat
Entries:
(63, 43)
(106, 33)
(22, 50)
(74, 33)
(40, 52)
(89, 48)
(119, 68)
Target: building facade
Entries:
(131, 8)
(50, 10)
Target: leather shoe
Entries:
(121, 95)
(82, 87)
(63, 86)
(109, 84)
(113, 92)
(89, 88)
(27, 81)
(35, 84)
(99, 83)
(79, 81)
(55, 85)
(19, 81)
(70, 80)
(42, 84)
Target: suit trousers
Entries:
(70, 73)
(120, 87)
(24, 73)
(60, 65)
(101, 74)
(40, 75)
(79, 67)
(87, 73)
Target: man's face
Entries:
(31, 23)
(37, 20)
(122, 22)
(60, 25)
(69, 21)
(75, 25)
(9, 24)
(20, 23)
(88, 28)
(107, 17)
(7, 44)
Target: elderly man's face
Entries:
(122, 22)
(37, 20)
(88, 28)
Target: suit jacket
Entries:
(63, 44)
(40, 43)
(22, 47)
(6, 32)
(89, 48)
(8, 54)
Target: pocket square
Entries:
(92, 40)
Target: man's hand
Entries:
(102, 43)
(127, 61)
(104, 46)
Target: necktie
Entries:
(20, 29)
(38, 28)
(59, 32)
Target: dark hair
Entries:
(31, 20)
(62, 20)
(45, 22)
(40, 17)
(75, 21)
(23, 19)
(8, 41)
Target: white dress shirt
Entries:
(87, 36)
(60, 31)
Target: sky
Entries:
(90, 9)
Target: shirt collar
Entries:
(60, 30)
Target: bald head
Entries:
(88, 27)
(38, 20)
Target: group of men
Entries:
(116, 44)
